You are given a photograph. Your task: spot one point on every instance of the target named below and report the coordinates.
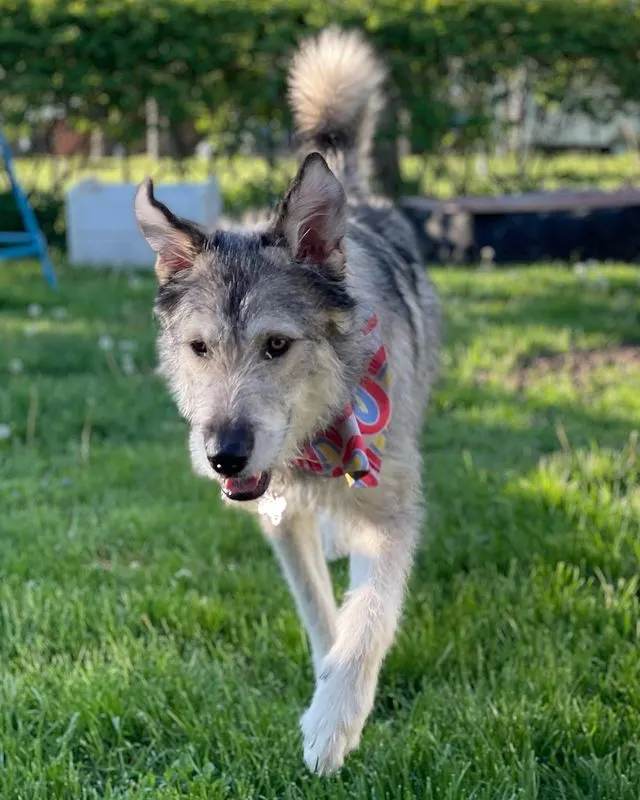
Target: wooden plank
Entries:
(536, 202)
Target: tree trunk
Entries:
(153, 128)
(386, 151)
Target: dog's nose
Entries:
(234, 446)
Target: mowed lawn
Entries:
(149, 648)
(247, 181)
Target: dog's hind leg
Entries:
(382, 552)
(296, 542)
(334, 539)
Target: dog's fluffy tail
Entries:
(335, 90)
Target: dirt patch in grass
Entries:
(580, 365)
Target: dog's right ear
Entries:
(313, 218)
(176, 241)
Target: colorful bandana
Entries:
(354, 444)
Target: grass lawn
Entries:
(149, 648)
(247, 181)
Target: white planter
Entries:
(101, 225)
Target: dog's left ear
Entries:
(176, 241)
(313, 219)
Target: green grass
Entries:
(247, 181)
(149, 648)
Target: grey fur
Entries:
(300, 276)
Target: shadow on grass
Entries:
(591, 308)
(485, 498)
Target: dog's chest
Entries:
(299, 493)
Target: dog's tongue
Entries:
(241, 485)
(250, 488)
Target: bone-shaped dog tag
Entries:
(272, 506)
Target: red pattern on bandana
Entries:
(354, 444)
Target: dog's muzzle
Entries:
(229, 448)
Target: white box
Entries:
(102, 228)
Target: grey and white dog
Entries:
(261, 341)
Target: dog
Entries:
(302, 352)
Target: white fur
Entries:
(348, 648)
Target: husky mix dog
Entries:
(302, 352)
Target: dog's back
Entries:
(335, 90)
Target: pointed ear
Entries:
(176, 241)
(313, 218)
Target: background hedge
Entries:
(223, 63)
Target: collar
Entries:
(353, 446)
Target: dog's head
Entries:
(256, 328)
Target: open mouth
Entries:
(251, 488)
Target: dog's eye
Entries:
(199, 347)
(276, 346)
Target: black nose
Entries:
(234, 446)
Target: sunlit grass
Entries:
(247, 181)
(149, 647)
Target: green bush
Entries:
(222, 62)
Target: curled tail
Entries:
(335, 83)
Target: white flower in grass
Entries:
(183, 574)
(487, 258)
(35, 310)
(5, 431)
(15, 366)
(580, 269)
(128, 367)
(30, 330)
(105, 343)
(59, 313)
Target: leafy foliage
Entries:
(222, 62)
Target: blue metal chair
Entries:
(31, 242)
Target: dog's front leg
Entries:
(380, 561)
(298, 546)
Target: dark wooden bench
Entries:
(542, 226)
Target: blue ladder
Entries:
(32, 242)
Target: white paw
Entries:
(324, 748)
(332, 725)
